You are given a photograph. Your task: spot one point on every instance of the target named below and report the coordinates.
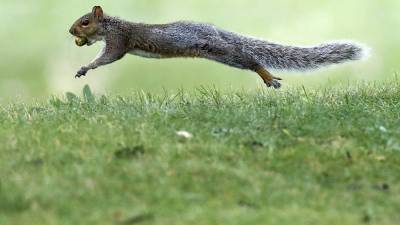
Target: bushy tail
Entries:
(282, 57)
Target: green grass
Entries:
(272, 157)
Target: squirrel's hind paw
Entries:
(274, 83)
(269, 79)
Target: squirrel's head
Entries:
(87, 29)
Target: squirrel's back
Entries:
(208, 41)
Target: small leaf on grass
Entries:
(380, 158)
(129, 152)
(88, 95)
(383, 129)
(184, 134)
(287, 132)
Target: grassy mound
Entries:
(291, 157)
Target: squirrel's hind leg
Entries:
(268, 78)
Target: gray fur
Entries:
(187, 39)
(246, 52)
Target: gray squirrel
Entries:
(187, 39)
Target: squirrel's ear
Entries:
(97, 13)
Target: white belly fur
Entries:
(145, 54)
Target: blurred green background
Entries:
(39, 57)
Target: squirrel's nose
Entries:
(72, 31)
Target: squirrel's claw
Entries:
(79, 75)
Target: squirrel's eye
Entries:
(85, 22)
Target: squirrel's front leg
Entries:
(109, 54)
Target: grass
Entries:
(294, 156)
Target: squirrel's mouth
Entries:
(81, 41)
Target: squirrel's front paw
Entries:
(81, 72)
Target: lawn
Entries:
(294, 156)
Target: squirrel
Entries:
(188, 39)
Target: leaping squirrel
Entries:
(187, 39)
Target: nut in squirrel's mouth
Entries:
(81, 41)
